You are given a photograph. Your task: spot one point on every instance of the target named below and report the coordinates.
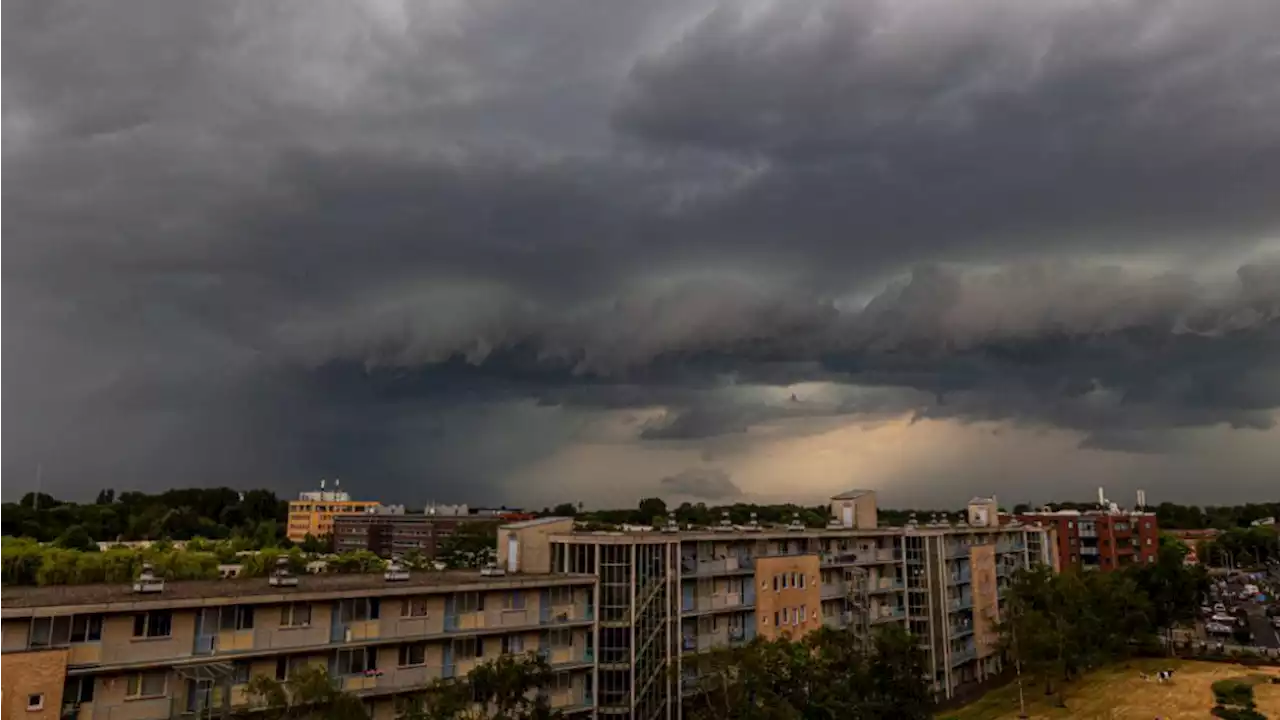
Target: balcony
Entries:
(394, 679)
(140, 709)
(959, 657)
(1010, 547)
(964, 602)
(567, 655)
(959, 631)
(832, 591)
(737, 635)
(723, 566)
(1086, 550)
(885, 586)
(887, 614)
(957, 551)
(870, 556)
(959, 578)
(557, 614)
(714, 603)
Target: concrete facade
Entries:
(191, 648)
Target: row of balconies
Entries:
(111, 703)
(321, 632)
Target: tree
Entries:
(565, 510)
(76, 538)
(316, 545)
(106, 497)
(652, 509)
(309, 692)
(471, 545)
(824, 676)
(1174, 589)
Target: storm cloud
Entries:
(427, 246)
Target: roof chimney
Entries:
(281, 577)
(753, 524)
(672, 526)
(147, 581)
(395, 570)
(725, 525)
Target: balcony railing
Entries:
(963, 656)
(887, 614)
(141, 709)
(961, 630)
(712, 603)
(885, 586)
(716, 567)
(963, 602)
(830, 591)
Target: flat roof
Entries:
(21, 601)
(657, 536)
(852, 494)
(534, 522)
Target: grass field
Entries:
(1120, 693)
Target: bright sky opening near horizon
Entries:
(572, 250)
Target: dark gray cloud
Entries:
(421, 246)
(702, 483)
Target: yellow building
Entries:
(313, 512)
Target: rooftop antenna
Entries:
(322, 484)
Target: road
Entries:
(1264, 633)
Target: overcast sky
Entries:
(529, 252)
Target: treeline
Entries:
(1242, 547)
(26, 562)
(1059, 626)
(257, 516)
(656, 511)
(825, 675)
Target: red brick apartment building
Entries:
(1100, 540)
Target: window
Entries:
(775, 583)
(468, 647)
(801, 581)
(413, 654)
(804, 615)
(237, 617)
(148, 684)
(78, 689)
(512, 644)
(413, 607)
(86, 628)
(357, 609)
(469, 602)
(786, 616)
(157, 623)
(282, 668)
(357, 661)
(776, 622)
(560, 637)
(561, 596)
(35, 701)
(793, 580)
(513, 600)
(295, 615)
(240, 673)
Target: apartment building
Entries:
(1102, 539)
(187, 649)
(398, 534)
(314, 511)
(668, 595)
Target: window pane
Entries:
(95, 628)
(159, 623)
(153, 683)
(302, 614)
(246, 617)
(40, 630)
(140, 625)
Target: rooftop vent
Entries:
(147, 581)
(281, 577)
(492, 570)
(395, 571)
(753, 525)
(795, 523)
(671, 526)
(725, 525)
(911, 520)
